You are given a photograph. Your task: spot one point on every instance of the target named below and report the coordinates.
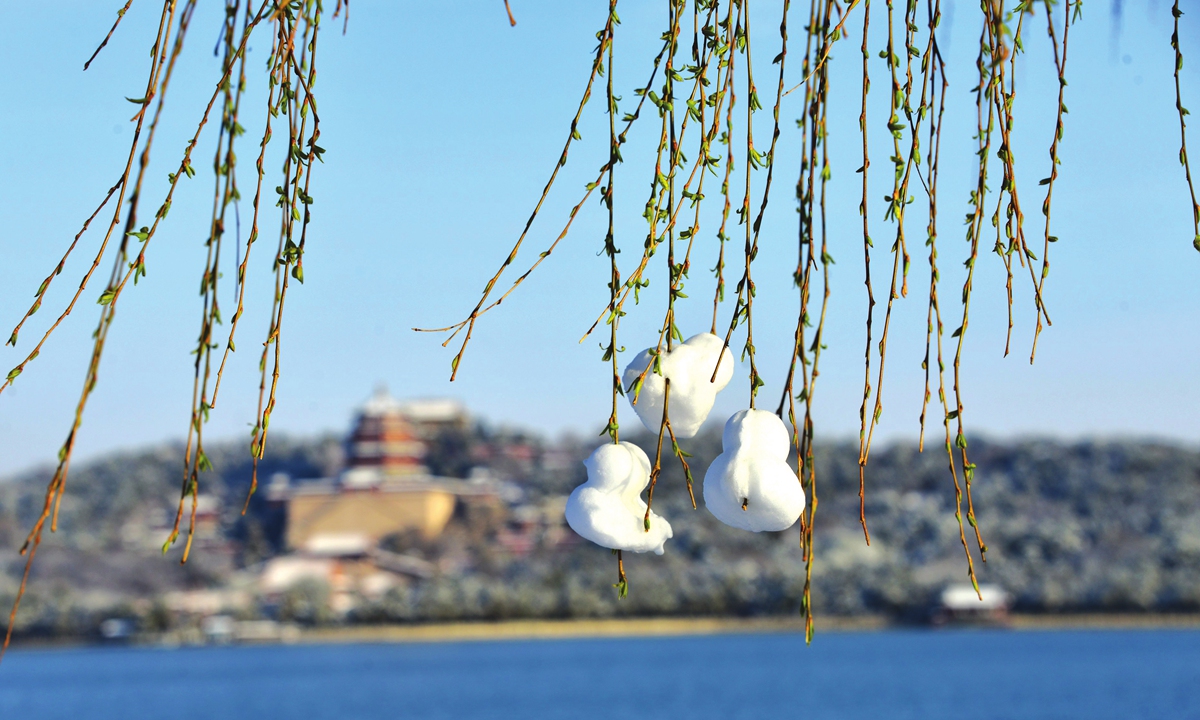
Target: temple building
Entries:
(385, 487)
(384, 445)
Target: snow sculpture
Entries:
(689, 367)
(608, 508)
(750, 485)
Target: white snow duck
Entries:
(750, 484)
(689, 367)
(608, 508)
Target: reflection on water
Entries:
(903, 674)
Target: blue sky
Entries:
(441, 123)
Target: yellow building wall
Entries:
(372, 514)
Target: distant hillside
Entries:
(1088, 526)
(104, 495)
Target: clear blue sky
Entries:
(441, 123)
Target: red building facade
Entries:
(383, 443)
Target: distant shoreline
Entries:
(682, 626)
(1104, 621)
(577, 628)
(588, 628)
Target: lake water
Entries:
(928, 675)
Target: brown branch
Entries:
(469, 323)
(1060, 64)
(120, 14)
(1183, 156)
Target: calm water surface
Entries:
(983, 675)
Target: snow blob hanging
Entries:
(750, 484)
(689, 367)
(608, 508)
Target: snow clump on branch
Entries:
(608, 508)
(750, 484)
(689, 367)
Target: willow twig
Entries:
(605, 37)
(1176, 13)
(1060, 64)
(54, 488)
(113, 29)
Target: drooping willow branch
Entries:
(897, 202)
(610, 245)
(670, 144)
(1176, 13)
(933, 318)
(720, 50)
(917, 102)
(298, 103)
(604, 37)
(113, 29)
(1060, 64)
(158, 64)
(814, 136)
(224, 194)
(863, 206)
(715, 46)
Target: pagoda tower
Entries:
(383, 445)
